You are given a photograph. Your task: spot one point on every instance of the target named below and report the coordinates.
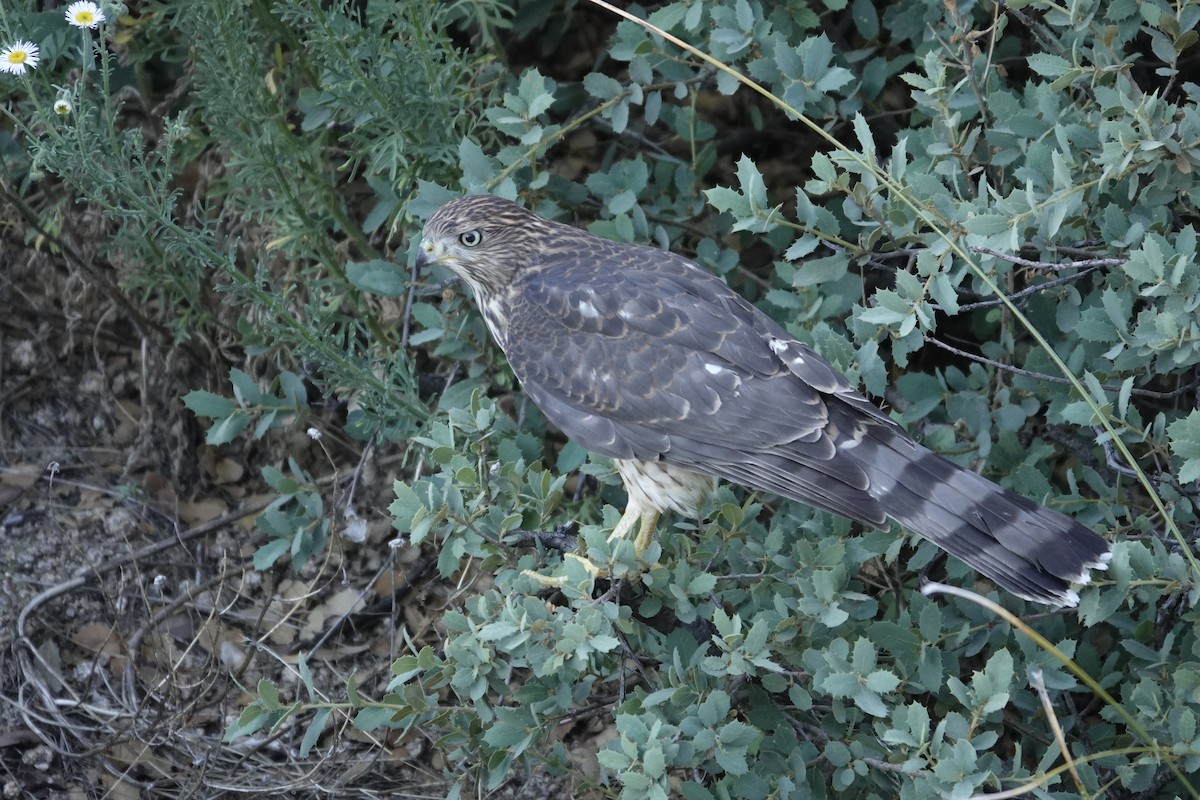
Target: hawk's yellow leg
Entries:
(631, 517)
(648, 519)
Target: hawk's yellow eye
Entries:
(471, 238)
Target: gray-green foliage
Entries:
(770, 651)
(1067, 177)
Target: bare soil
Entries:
(133, 626)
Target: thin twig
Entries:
(358, 468)
(1041, 376)
(1041, 287)
(1111, 458)
(1049, 265)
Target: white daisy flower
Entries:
(84, 15)
(19, 57)
(62, 106)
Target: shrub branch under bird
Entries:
(643, 356)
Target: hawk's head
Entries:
(484, 240)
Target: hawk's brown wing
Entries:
(669, 363)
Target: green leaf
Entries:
(694, 791)
(269, 553)
(866, 19)
(253, 718)
(988, 224)
(817, 271)
(837, 753)
(756, 637)
(405, 507)
(882, 315)
(604, 644)
(513, 731)
(993, 683)
(864, 656)
(870, 702)
(315, 728)
(306, 677)
(733, 760)
(784, 299)
(702, 584)
(374, 717)
(1078, 412)
(1046, 65)
(882, 681)
(668, 16)
(895, 639)
(722, 198)
(207, 404)
(930, 622)
(654, 762)
(228, 429)
(1184, 435)
(268, 695)
(612, 760)
(865, 138)
(715, 708)
(602, 86)
(536, 93)
(378, 276)
(478, 168)
(802, 247)
(245, 388)
(748, 205)
(277, 480)
(752, 184)
(841, 684)
(497, 630)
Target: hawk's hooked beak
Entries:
(425, 255)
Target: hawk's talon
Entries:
(546, 581)
(558, 581)
(591, 568)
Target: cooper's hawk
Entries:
(643, 356)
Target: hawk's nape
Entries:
(641, 355)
